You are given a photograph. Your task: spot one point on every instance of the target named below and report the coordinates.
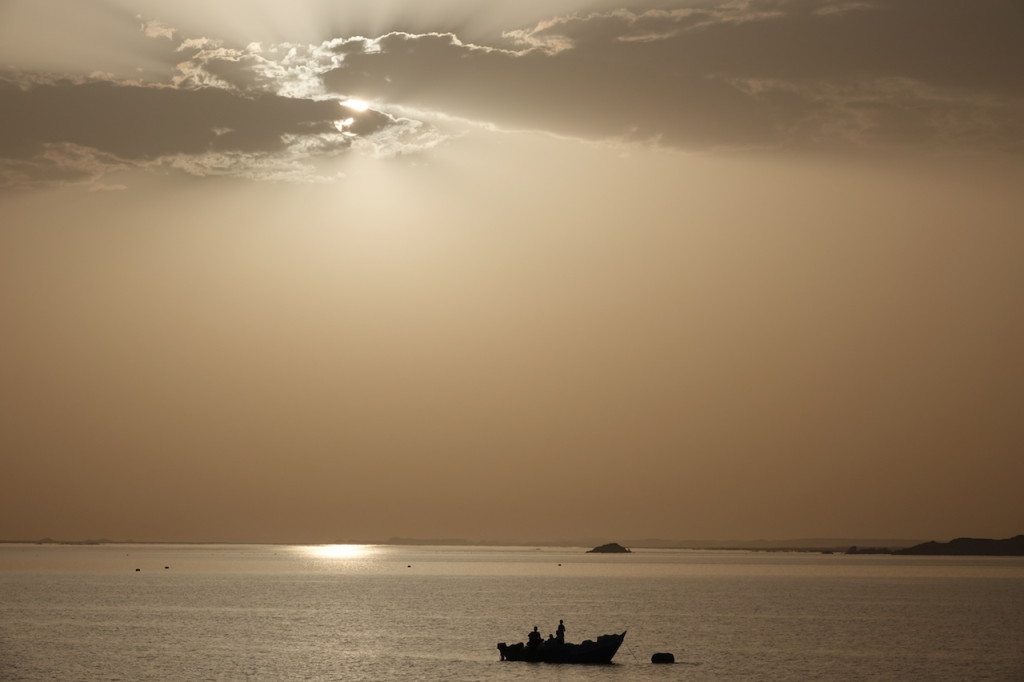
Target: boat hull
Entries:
(601, 651)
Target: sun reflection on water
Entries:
(341, 551)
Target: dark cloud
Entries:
(735, 74)
(79, 129)
(141, 123)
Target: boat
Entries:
(601, 650)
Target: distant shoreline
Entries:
(812, 545)
(957, 547)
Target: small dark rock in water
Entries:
(138, 569)
(610, 548)
(663, 658)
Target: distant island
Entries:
(959, 547)
(610, 548)
(90, 541)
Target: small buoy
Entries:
(137, 570)
(409, 566)
(166, 567)
(663, 658)
(559, 564)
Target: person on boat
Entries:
(560, 632)
(534, 638)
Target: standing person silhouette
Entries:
(534, 638)
(560, 632)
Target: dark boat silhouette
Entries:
(553, 651)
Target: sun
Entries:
(356, 104)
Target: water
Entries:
(234, 612)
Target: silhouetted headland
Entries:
(610, 548)
(959, 547)
(969, 547)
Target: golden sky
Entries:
(319, 270)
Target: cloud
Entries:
(156, 29)
(837, 7)
(59, 130)
(254, 112)
(287, 69)
(736, 74)
(759, 73)
(891, 113)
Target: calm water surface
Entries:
(231, 612)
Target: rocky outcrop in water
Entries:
(610, 548)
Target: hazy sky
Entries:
(326, 270)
